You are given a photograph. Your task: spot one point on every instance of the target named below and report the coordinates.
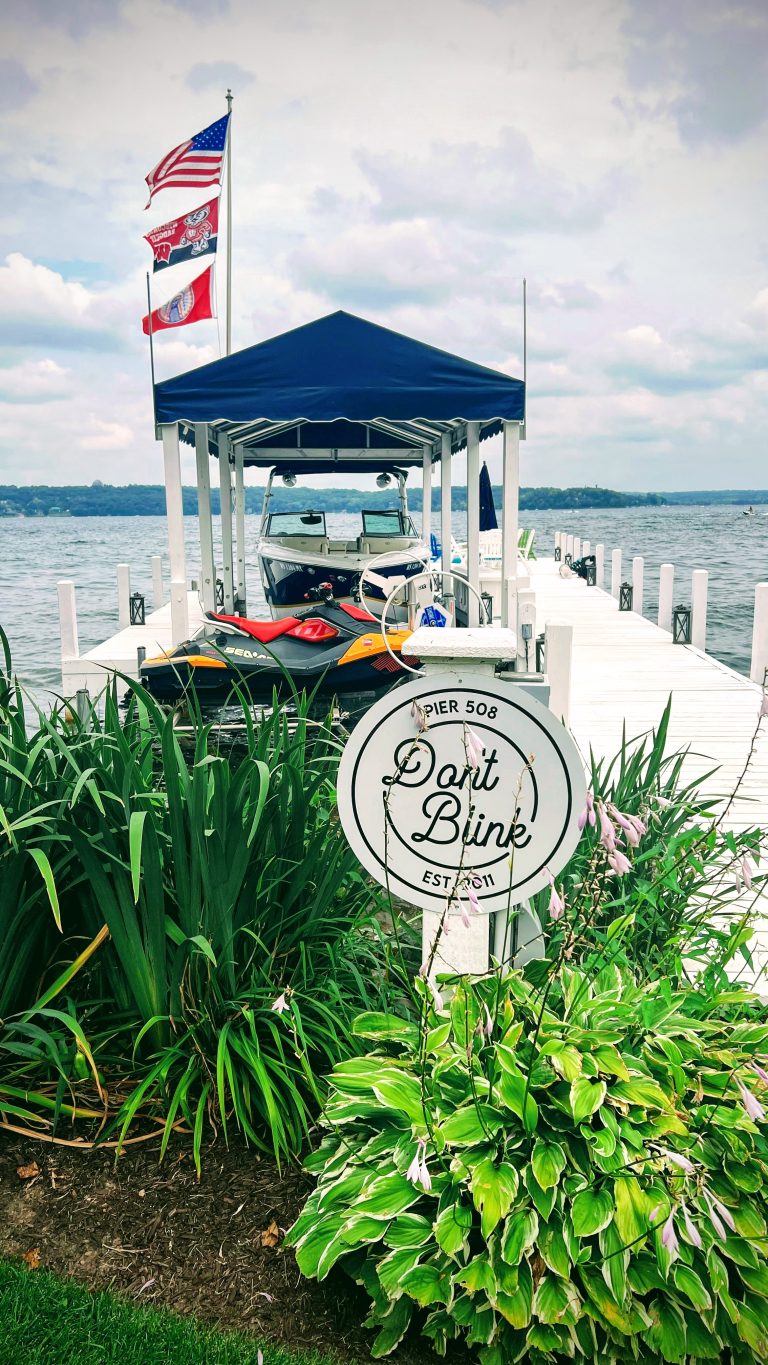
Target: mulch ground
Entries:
(154, 1234)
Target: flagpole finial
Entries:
(229, 98)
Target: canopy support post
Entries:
(473, 522)
(225, 491)
(510, 498)
(208, 576)
(174, 507)
(240, 526)
(426, 495)
(445, 507)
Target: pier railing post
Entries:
(558, 646)
(699, 584)
(615, 573)
(760, 635)
(123, 595)
(203, 468)
(174, 502)
(637, 584)
(585, 548)
(158, 594)
(666, 594)
(525, 628)
(70, 645)
(599, 566)
(569, 547)
(576, 548)
(179, 619)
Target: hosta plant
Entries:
(575, 1170)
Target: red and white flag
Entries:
(187, 238)
(191, 304)
(194, 163)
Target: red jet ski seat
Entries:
(263, 631)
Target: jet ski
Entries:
(333, 646)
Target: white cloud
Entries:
(411, 163)
(106, 435)
(34, 381)
(38, 306)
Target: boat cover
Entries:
(341, 367)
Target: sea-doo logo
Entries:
(423, 820)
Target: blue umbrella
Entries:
(488, 520)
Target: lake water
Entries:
(35, 553)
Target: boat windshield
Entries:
(387, 522)
(296, 524)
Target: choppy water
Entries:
(35, 553)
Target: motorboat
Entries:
(296, 552)
(328, 647)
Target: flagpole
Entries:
(229, 226)
(151, 351)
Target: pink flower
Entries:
(474, 747)
(259, 1357)
(752, 1106)
(722, 1210)
(280, 1005)
(465, 916)
(488, 1021)
(694, 1235)
(419, 716)
(414, 1170)
(616, 815)
(717, 1224)
(746, 872)
(587, 816)
(607, 831)
(556, 901)
(669, 1236)
(631, 835)
(471, 895)
(619, 862)
(638, 824)
(418, 1172)
(678, 1160)
(760, 1071)
(429, 979)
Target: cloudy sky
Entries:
(411, 161)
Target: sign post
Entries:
(461, 792)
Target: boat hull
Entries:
(291, 579)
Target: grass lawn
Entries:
(48, 1321)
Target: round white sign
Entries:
(487, 796)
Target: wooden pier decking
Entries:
(624, 669)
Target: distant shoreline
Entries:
(138, 500)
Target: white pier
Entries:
(624, 669)
(120, 653)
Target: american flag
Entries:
(194, 163)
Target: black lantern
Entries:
(487, 613)
(219, 595)
(568, 560)
(681, 625)
(558, 554)
(625, 597)
(137, 609)
(591, 571)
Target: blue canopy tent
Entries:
(344, 394)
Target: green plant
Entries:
(552, 1172)
(162, 895)
(685, 887)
